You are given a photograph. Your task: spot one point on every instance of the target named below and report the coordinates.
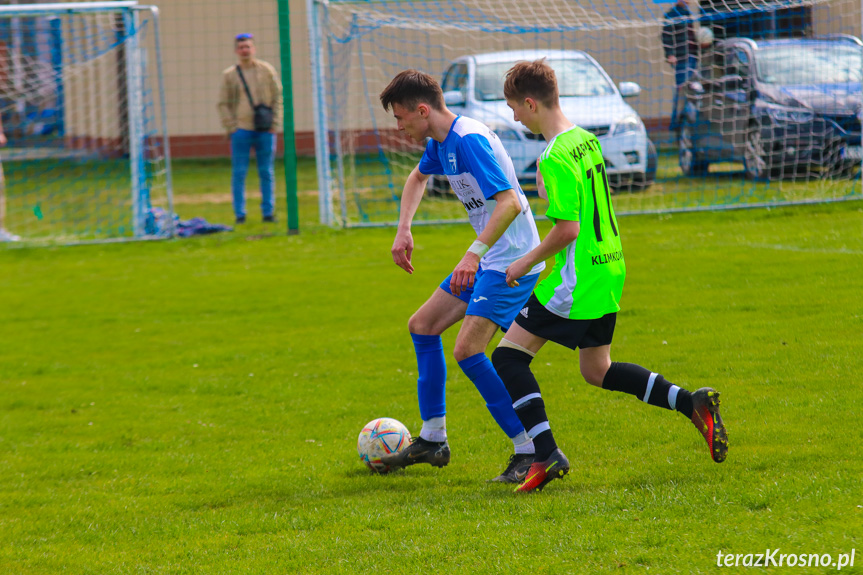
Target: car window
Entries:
(737, 63)
(455, 79)
(575, 77)
(821, 63)
(742, 63)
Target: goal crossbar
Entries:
(38, 9)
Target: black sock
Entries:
(649, 387)
(513, 367)
(684, 402)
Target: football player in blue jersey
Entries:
(482, 176)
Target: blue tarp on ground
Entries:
(158, 225)
(198, 227)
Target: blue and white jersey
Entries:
(477, 167)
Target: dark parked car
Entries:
(781, 107)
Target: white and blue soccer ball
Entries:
(379, 437)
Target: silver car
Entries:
(473, 87)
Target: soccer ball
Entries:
(704, 36)
(379, 437)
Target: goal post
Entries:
(767, 113)
(83, 108)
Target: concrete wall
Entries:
(198, 44)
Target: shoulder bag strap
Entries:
(246, 86)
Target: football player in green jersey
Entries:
(576, 305)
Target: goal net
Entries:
(86, 156)
(727, 103)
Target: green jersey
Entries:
(587, 279)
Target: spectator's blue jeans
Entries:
(242, 142)
(683, 70)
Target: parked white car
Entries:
(473, 87)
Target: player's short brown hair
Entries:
(532, 80)
(411, 88)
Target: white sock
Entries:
(672, 396)
(434, 429)
(523, 443)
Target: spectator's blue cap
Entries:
(244, 36)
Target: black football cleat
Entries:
(419, 451)
(516, 469)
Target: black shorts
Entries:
(571, 333)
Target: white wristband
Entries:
(478, 248)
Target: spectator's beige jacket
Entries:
(266, 88)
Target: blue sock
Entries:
(481, 372)
(431, 378)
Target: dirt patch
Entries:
(212, 198)
(220, 198)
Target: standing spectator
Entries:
(250, 105)
(681, 49)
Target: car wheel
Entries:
(437, 187)
(645, 180)
(755, 162)
(691, 164)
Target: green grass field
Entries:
(192, 406)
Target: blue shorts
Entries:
(491, 298)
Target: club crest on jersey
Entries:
(452, 163)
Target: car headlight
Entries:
(789, 115)
(627, 125)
